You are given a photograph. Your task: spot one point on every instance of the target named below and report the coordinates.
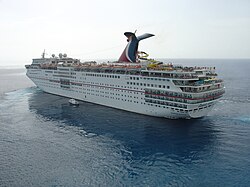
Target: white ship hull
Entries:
(113, 92)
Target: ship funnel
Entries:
(129, 53)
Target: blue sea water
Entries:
(46, 142)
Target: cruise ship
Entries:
(134, 83)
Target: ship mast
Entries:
(43, 54)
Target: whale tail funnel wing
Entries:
(144, 36)
(130, 51)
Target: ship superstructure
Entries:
(133, 83)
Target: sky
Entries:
(93, 29)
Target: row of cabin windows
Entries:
(93, 84)
(117, 98)
(112, 85)
(125, 91)
(64, 76)
(62, 72)
(147, 78)
(176, 109)
(101, 75)
(62, 69)
(165, 103)
(178, 100)
(148, 85)
(167, 93)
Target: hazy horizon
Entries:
(94, 29)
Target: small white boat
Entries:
(73, 102)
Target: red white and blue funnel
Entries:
(130, 52)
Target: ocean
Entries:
(46, 142)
